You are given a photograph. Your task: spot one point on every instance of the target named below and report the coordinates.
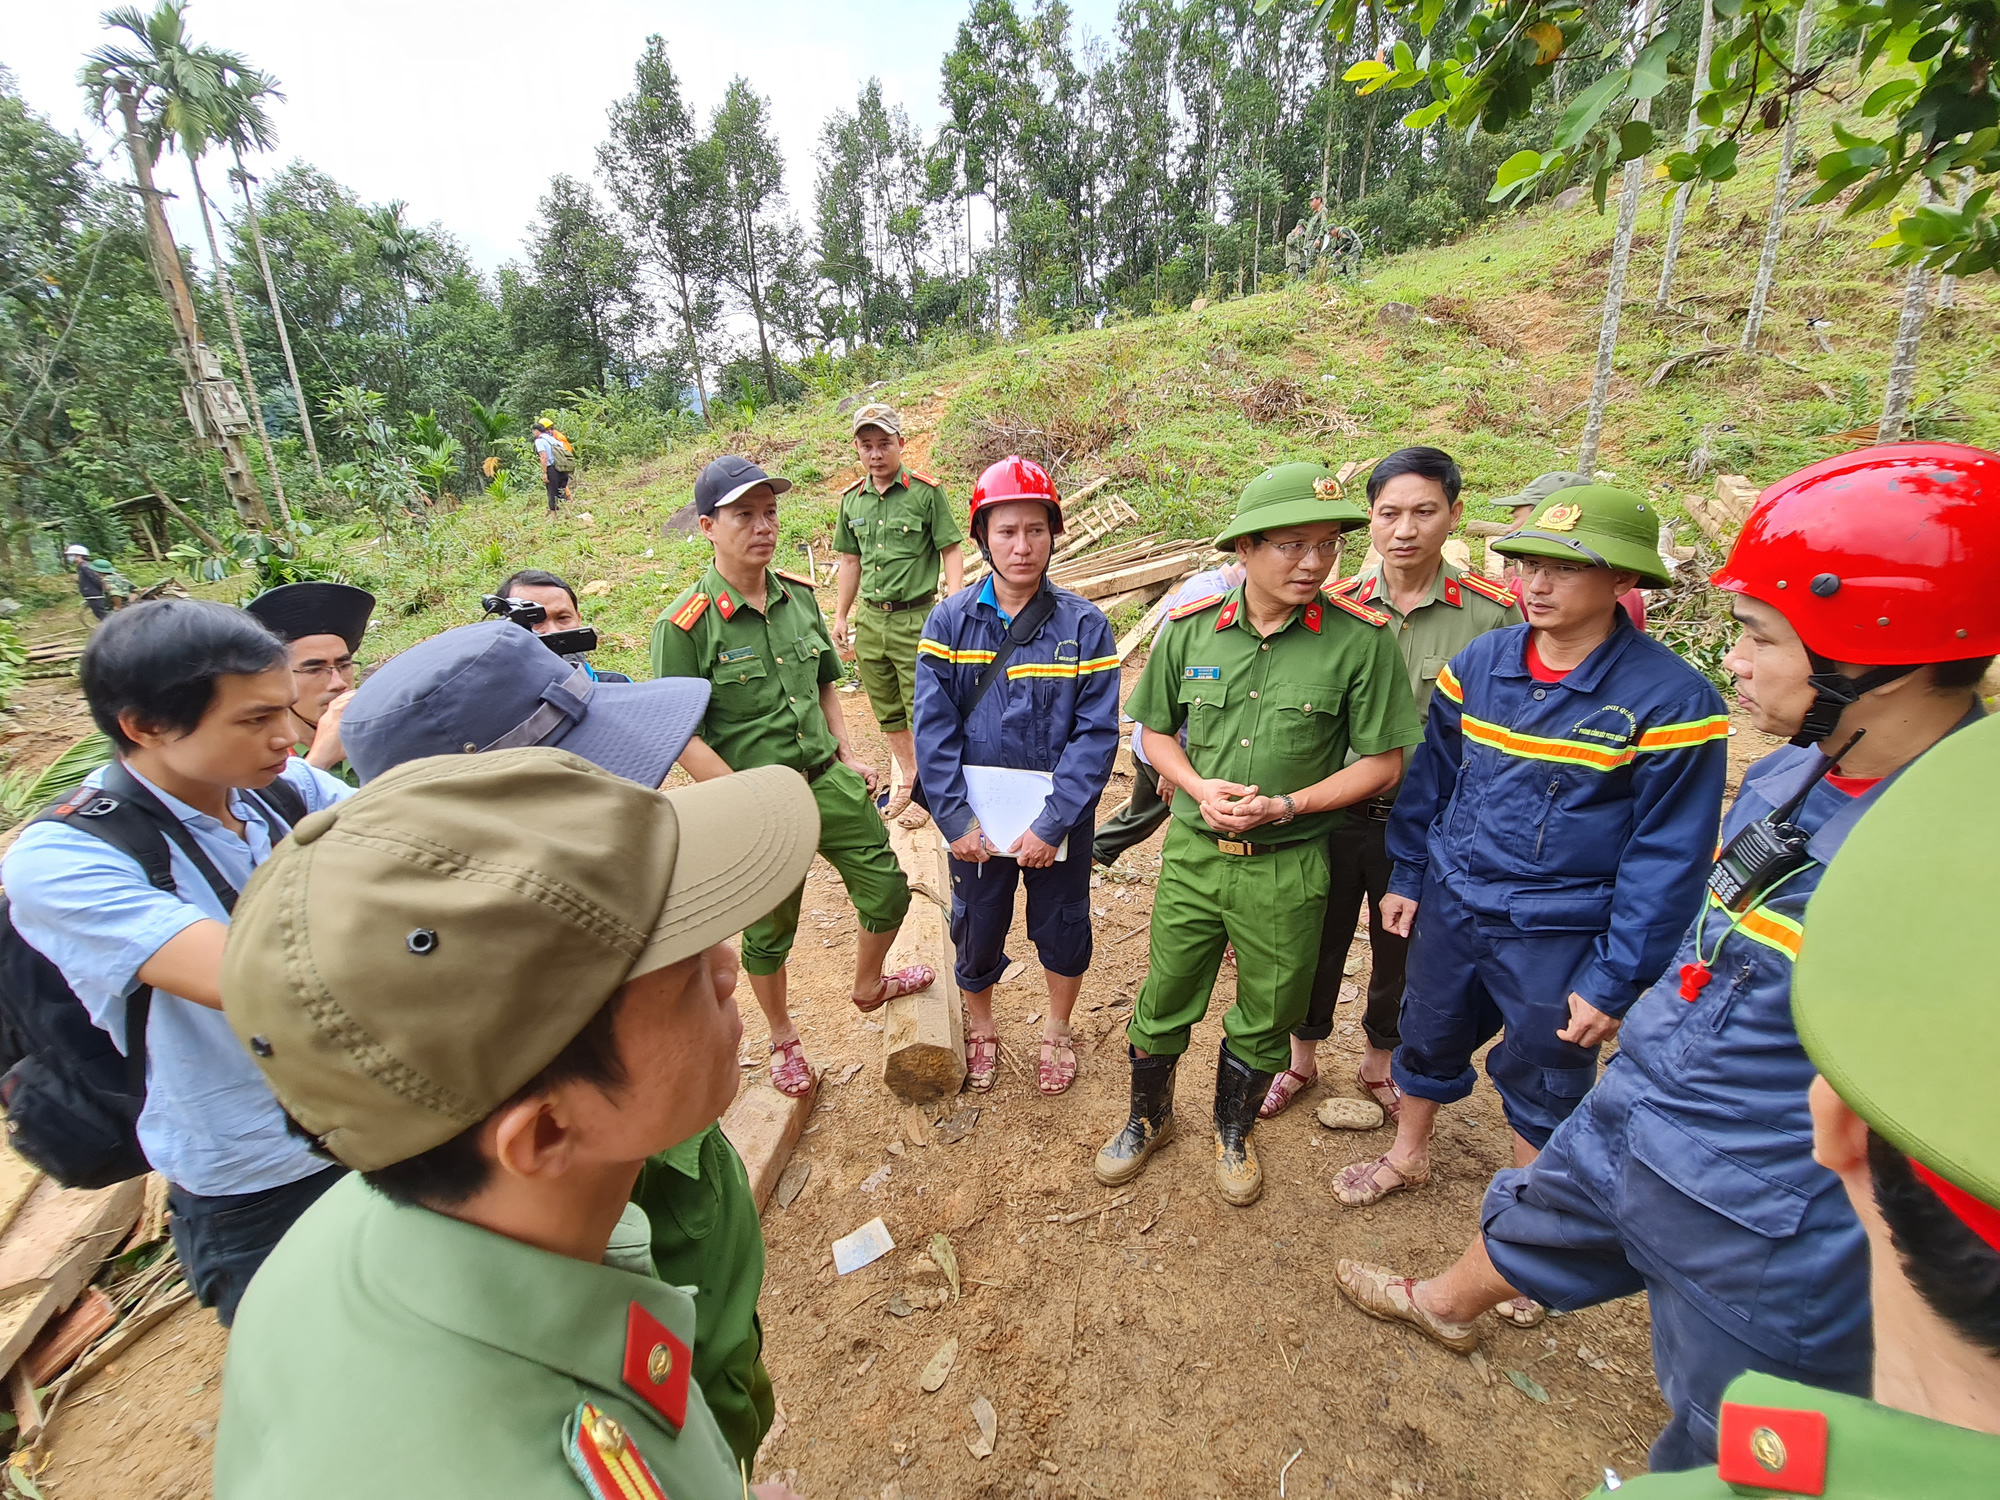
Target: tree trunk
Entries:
(1767, 262)
(165, 257)
(694, 351)
(1947, 283)
(278, 318)
(757, 307)
(228, 289)
(1368, 146)
(1903, 362)
(1704, 49)
(1614, 291)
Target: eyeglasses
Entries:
(341, 666)
(1297, 551)
(1535, 567)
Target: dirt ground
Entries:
(1168, 1347)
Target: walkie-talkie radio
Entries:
(1765, 852)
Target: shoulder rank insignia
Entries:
(919, 474)
(1373, 616)
(691, 611)
(1345, 586)
(1485, 587)
(856, 485)
(1311, 617)
(657, 1366)
(724, 605)
(799, 578)
(1194, 606)
(1772, 1448)
(606, 1459)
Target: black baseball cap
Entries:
(495, 686)
(729, 479)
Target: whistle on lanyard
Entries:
(1765, 852)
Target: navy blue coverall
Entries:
(1555, 836)
(1056, 710)
(1688, 1172)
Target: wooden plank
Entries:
(59, 1344)
(1154, 571)
(1144, 594)
(1488, 528)
(1734, 495)
(1142, 632)
(1698, 512)
(27, 1410)
(54, 1250)
(764, 1127)
(128, 1333)
(18, 1178)
(923, 1035)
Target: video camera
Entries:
(528, 615)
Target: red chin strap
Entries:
(1981, 1217)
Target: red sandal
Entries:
(1057, 1070)
(1286, 1087)
(791, 1074)
(902, 982)
(1384, 1092)
(982, 1062)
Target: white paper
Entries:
(1007, 802)
(865, 1246)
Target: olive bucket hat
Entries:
(1295, 494)
(1594, 524)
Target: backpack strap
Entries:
(284, 801)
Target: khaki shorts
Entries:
(885, 650)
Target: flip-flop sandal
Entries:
(1286, 1087)
(1521, 1312)
(1384, 1092)
(1360, 1183)
(791, 1074)
(902, 982)
(1058, 1066)
(916, 817)
(1350, 1114)
(982, 1062)
(1381, 1293)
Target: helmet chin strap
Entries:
(1834, 693)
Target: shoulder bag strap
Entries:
(1022, 630)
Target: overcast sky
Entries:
(465, 111)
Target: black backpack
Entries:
(72, 1099)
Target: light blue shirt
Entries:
(211, 1125)
(987, 596)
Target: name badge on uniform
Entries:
(740, 653)
(1202, 674)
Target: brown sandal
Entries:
(791, 1074)
(1286, 1087)
(902, 982)
(1058, 1066)
(1384, 1092)
(1359, 1184)
(1521, 1312)
(1381, 1293)
(982, 1062)
(897, 805)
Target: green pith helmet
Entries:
(1540, 488)
(1894, 994)
(1595, 524)
(1297, 494)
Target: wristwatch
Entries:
(1291, 807)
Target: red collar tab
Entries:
(1772, 1448)
(1367, 590)
(724, 605)
(1228, 616)
(1311, 617)
(1452, 595)
(657, 1366)
(1976, 1214)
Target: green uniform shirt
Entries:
(705, 1234)
(1870, 1452)
(897, 533)
(1456, 612)
(1278, 713)
(384, 1349)
(767, 670)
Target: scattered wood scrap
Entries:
(923, 1035)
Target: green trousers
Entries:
(855, 841)
(885, 652)
(1271, 906)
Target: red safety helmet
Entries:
(1014, 478)
(1883, 557)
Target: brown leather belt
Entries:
(896, 606)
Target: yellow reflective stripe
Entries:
(1535, 747)
(1043, 669)
(1448, 685)
(1099, 664)
(928, 647)
(1761, 924)
(1682, 736)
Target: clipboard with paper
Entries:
(1007, 802)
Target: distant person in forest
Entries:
(89, 582)
(558, 461)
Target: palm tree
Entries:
(404, 250)
(167, 90)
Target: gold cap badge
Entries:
(1560, 518)
(1327, 489)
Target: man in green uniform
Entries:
(1274, 683)
(1893, 999)
(1437, 609)
(475, 1312)
(759, 637)
(895, 529)
(1312, 252)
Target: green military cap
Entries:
(1295, 494)
(410, 957)
(1894, 992)
(1541, 487)
(878, 414)
(1596, 524)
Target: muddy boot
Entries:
(1151, 1125)
(1239, 1089)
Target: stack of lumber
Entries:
(1134, 571)
(1727, 511)
(51, 656)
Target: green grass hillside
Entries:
(1181, 409)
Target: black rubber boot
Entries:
(1239, 1089)
(1151, 1125)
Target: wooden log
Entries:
(52, 1252)
(764, 1127)
(1487, 528)
(923, 1035)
